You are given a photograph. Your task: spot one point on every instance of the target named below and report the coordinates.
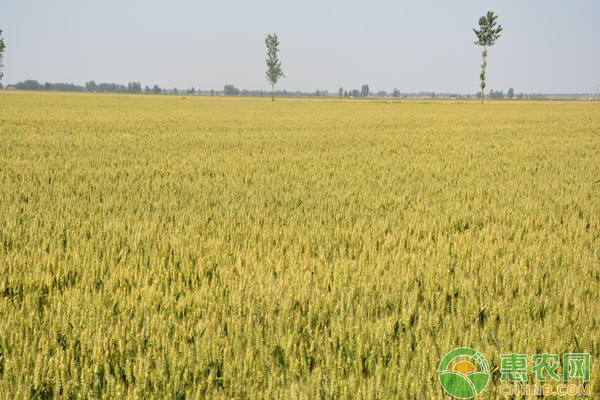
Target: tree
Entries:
(511, 93)
(496, 95)
(90, 86)
(133, 87)
(2, 47)
(156, 89)
(274, 71)
(230, 90)
(364, 90)
(341, 92)
(487, 35)
(29, 85)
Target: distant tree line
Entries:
(509, 95)
(231, 90)
(91, 86)
(363, 92)
(35, 85)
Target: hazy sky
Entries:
(547, 45)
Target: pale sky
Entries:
(547, 45)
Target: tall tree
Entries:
(488, 33)
(511, 93)
(274, 71)
(2, 47)
(364, 90)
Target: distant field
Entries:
(187, 247)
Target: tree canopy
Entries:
(489, 30)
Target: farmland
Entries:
(192, 247)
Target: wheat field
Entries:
(204, 247)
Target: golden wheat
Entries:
(187, 247)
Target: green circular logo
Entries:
(459, 375)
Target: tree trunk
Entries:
(272, 92)
(482, 75)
